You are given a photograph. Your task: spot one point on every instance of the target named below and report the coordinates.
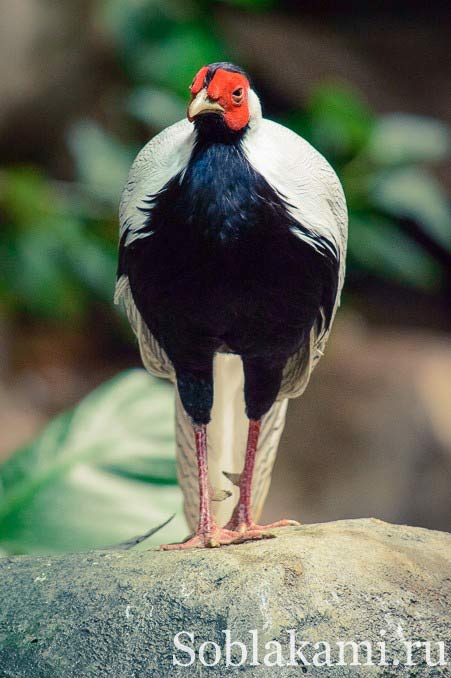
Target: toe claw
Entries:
(224, 536)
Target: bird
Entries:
(231, 263)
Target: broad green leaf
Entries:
(97, 475)
(378, 246)
(157, 107)
(413, 193)
(101, 161)
(400, 139)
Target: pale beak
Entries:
(202, 104)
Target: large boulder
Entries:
(117, 613)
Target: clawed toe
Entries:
(279, 523)
(214, 538)
(251, 527)
(230, 534)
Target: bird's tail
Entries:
(227, 436)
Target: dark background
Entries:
(82, 87)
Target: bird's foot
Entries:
(217, 536)
(251, 529)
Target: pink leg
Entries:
(242, 516)
(208, 533)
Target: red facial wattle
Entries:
(228, 89)
(222, 88)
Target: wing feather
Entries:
(315, 198)
(163, 157)
(153, 355)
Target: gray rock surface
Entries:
(115, 613)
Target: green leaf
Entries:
(340, 123)
(132, 24)
(94, 263)
(34, 273)
(173, 62)
(157, 107)
(97, 475)
(50, 269)
(402, 139)
(101, 161)
(51, 259)
(27, 196)
(413, 193)
(378, 246)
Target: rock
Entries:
(116, 613)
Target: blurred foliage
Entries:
(55, 258)
(58, 244)
(96, 475)
(101, 473)
(380, 161)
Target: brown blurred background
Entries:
(83, 85)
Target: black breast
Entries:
(221, 264)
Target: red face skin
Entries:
(229, 90)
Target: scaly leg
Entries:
(208, 533)
(241, 519)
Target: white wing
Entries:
(303, 177)
(160, 160)
(165, 156)
(315, 198)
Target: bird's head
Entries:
(224, 90)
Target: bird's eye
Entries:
(237, 95)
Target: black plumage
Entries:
(221, 269)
